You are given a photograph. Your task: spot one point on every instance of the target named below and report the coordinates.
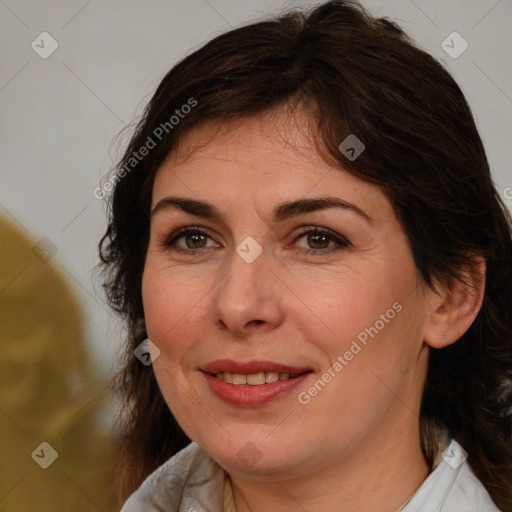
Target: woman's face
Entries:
(346, 303)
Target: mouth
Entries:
(252, 373)
(251, 388)
(254, 379)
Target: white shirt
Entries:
(192, 481)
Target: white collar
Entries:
(451, 486)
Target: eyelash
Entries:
(342, 243)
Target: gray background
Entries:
(59, 115)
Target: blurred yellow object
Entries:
(49, 392)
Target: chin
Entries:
(253, 455)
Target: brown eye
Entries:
(194, 239)
(318, 241)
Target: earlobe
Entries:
(455, 306)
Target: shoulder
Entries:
(189, 480)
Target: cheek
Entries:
(171, 301)
(162, 312)
(171, 315)
(372, 318)
(337, 310)
(158, 308)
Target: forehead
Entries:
(263, 159)
(273, 135)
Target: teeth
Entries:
(253, 379)
(271, 377)
(239, 379)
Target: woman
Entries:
(306, 242)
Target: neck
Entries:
(382, 473)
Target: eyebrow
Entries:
(281, 211)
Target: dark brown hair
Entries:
(352, 74)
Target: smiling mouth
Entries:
(254, 379)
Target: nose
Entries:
(248, 297)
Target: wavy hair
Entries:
(353, 74)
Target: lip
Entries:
(245, 395)
(248, 367)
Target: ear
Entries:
(455, 306)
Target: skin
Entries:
(355, 445)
